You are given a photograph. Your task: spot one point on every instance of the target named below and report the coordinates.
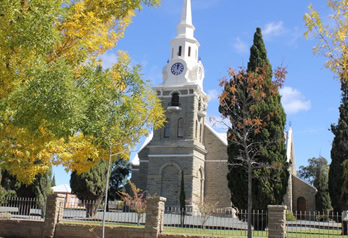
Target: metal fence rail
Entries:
(89, 211)
(22, 208)
(215, 222)
(315, 224)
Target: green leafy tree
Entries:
(331, 34)
(90, 187)
(47, 50)
(317, 174)
(251, 101)
(339, 156)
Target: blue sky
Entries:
(225, 29)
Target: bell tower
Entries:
(178, 147)
(184, 66)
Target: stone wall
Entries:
(216, 184)
(21, 228)
(53, 226)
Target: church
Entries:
(187, 144)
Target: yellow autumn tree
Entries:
(332, 36)
(54, 95)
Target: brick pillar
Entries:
(54, 213)
(154, 216)
(276, 221)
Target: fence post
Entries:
(54, 213)
(276, 221)
(345, 222)
(154, 216)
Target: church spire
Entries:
(185, 27)
(186, 16)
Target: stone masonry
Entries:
(276, 221)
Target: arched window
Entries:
(167, 128)
(175, 99)
(170, 184)
(179, 53)
(181, 127)
(189, 51)
(301, 204)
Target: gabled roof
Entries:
(305, 182)
(135, 161)
(63, 188)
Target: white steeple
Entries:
(184, 67)
(185, 27)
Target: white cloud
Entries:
(293, 101)
(213, 94)
(240, 46)
(274, 29)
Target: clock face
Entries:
(177, 68)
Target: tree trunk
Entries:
(91, 209)
(106, 190)
(250, 199)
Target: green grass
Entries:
(317, 233)
(213, 232)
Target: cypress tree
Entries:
(53, 182)
(269, 185)
(317, 174)
(322, 197)
(120, 171)
(339, 155)
(90, 186)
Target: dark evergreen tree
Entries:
(317, 174)
(339, 154)
(53, 182)
(39, 189)
(119, 173)
(90, 186)
(269, 185)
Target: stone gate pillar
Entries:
(154, 216)
(276, 221)
(54, 213)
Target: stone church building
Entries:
(187, 143)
